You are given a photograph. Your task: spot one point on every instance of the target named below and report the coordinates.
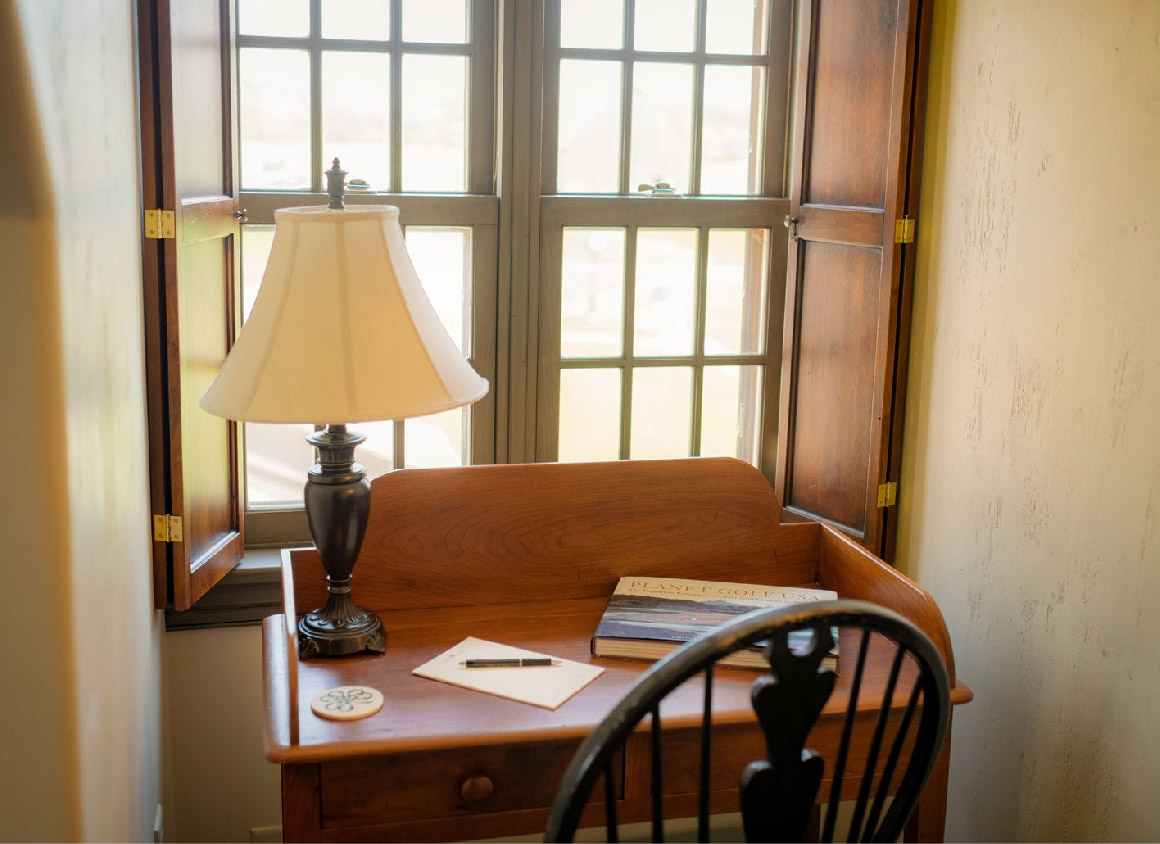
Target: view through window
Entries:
(655, 181)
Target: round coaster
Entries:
(347, 703)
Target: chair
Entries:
(778, 794)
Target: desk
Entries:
(528, 555)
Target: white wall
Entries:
(1030, 494)
(80, 718)
(223, 785)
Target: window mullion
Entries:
(698, 100)
(629, 341)
(481, 165)
(700, 317)
(396, 87)
(778, 27)
(315, 52)
(626, 98)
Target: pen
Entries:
(524, 662)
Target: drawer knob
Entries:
(476, 788)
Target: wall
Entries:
(82, 644)
(214, 712)
(1030, 493)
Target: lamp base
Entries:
(341, 628)
(338, 500)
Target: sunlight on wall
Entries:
(1030, 495)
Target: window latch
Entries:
(791, 224)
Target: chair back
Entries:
(887, 710)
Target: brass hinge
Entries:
(160, 225)
(166, 528)
(904, 230)
(888, 494)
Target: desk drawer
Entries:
(443, 783)
(736, 745)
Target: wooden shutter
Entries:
(857, 129)
(188, 164)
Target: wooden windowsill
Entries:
(248, 594)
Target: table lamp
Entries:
(341, 331)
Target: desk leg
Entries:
(928, 823)
(301, 804)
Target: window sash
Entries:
(633, 214)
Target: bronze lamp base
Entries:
(338, 502)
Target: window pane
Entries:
(356, 115)
(592, 293)
(735, 292)
(377, 454)
(277, 456)
(736, 26)
(273, 17)
(256, 243)
(666, 291)
(435, 21)
(732, 132)
(592, 23)
(665, 25)
(436, 441)
(434, 123)
(589, 415)
(662, 412)
(442, 259)
(274, 118)
(731, 412)
(662, 125)
(369, 20)
(277, 460)
(589, 127)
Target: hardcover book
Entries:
(647, 617)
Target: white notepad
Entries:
(547, 686)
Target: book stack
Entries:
(648, 617)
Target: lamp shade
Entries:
(341, 330)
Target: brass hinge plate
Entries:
(888, 494)
(904, 230)
(160, 225)
(166, 528)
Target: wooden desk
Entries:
(528, 555)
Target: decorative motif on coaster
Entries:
(347, 703)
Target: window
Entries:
(662, 152)
(594, 191)
(402, 93)
(653, 314)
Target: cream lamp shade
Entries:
(341, 330)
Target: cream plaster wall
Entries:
(1030, 492)
(214, 713)
(81, 712)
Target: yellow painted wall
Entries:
(1030, 493)
(80, 716)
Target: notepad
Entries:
(547, 686)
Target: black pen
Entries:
(519, 662)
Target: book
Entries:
(647, 617)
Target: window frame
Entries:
(516, 197)
(633, 212)
(476, 208)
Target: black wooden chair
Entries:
(778, 793)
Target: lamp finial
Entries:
(336, 186)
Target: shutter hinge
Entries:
(904, 230)
(167, 528)
(160, 225)
(888, 494)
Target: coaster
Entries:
(347, 703)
